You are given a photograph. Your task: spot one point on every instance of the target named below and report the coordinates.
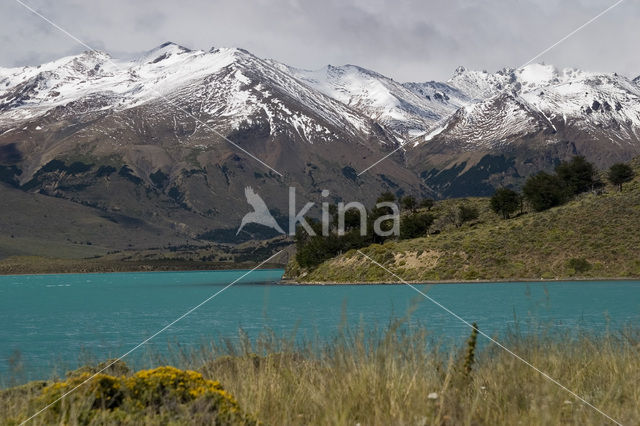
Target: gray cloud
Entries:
(404, 39)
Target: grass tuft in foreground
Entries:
(394, 376)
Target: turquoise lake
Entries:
(49, 321)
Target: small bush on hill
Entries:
(620, 173)
(409, 203)
(579, 265)
(427, 203)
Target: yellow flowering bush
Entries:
(105, 390)
(165, 392)
(155, 387)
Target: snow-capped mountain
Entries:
(535, 116)
(512, 103)
(231, 87)
(228, 85)
(408, 109)
(478, 85)
(144, 135)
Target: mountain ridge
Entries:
(141, 136)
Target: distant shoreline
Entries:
(289, 282)
(139, 272)
(75, 267)
(143, 267)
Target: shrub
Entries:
(409, 203)
(579, 265)
(169, 384)
(148, 392)
(427, 203)
(386, 197)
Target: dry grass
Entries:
(398, 377)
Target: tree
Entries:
(319, 248)
(620, 173)
(409, 203)
(386, 197)
(505, 201)
(447, 218)
(427, 203)
(578, 175)
(415, 225)
(352, 219)
(544, 191)
(467, 214)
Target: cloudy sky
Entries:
(409, 40)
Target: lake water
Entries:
(51, 320)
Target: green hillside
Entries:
(592, 236)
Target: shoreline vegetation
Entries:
(394, 375)
(584, 229)
(289, 282)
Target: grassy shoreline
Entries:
(447, 282)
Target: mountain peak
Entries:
(459, 70)
(162, 52)
(97, 54)
(538, 74)
(173, 46)
(353, 69)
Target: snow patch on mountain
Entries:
(478, 85)
(407, 109)
(228, 89)
(537, 74)
(511, 103)
(228, 86)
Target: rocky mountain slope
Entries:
(143, 138)
(526, 120)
